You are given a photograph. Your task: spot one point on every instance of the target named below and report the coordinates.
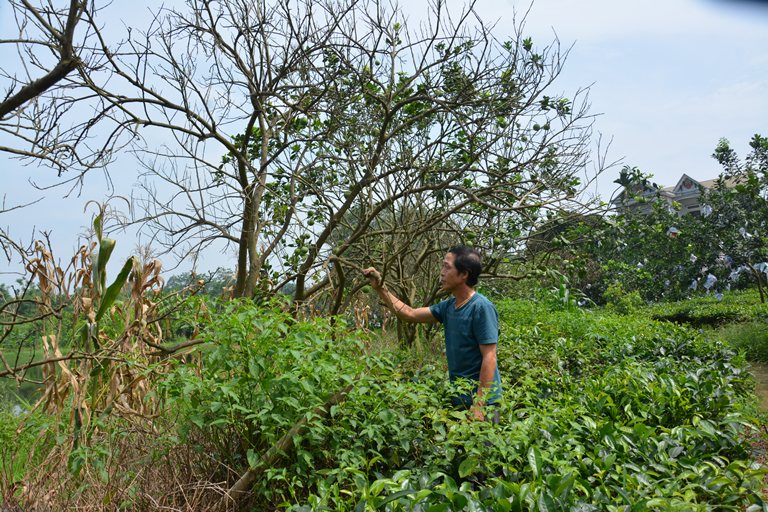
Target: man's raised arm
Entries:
(398, 307)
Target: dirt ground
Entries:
(759, 439)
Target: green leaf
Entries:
(253, 458)
(468, 466)
(534, 459)
(76, 462)
(546, 503)
(421, 495)
(378, 486)
(590, 423)
(106, 246)
(98, 224)
(395, 496)
(198, 420)
(527, 44)
(450, 484)
(114, 289)
(565, 485)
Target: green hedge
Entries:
(600, 412)
(733, 307)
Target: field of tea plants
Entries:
(601, 412)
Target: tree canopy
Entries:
(663, 254)
(315, 137)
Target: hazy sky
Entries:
(669, 78)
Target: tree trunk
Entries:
(242, 250)
(406, 333)
(758, 277)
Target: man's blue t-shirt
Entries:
(476, 323)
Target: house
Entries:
(687, 193)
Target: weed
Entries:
(749, 337)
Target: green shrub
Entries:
(617, 299)
(749, 337)
(601, 412)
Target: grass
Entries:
(749, 337)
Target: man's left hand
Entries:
(476, 413)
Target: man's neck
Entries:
(463, 293)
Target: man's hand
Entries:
(402, 310)
(476, 413)
(374, 278)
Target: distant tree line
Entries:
(663, 255)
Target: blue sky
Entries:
(669, 78)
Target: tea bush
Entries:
(738, 318)
(601, 412)
(712, 310)
(616, 298)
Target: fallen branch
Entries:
(241, 488)
(162, 350)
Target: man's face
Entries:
(450, 278)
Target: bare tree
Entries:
(43, 118)
(47, 50)
(57, 36)
(317, 136)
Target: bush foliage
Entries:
(600, 412)
(655, 248)
(711, 310)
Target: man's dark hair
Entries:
(467, 259)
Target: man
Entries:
(470, 322)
